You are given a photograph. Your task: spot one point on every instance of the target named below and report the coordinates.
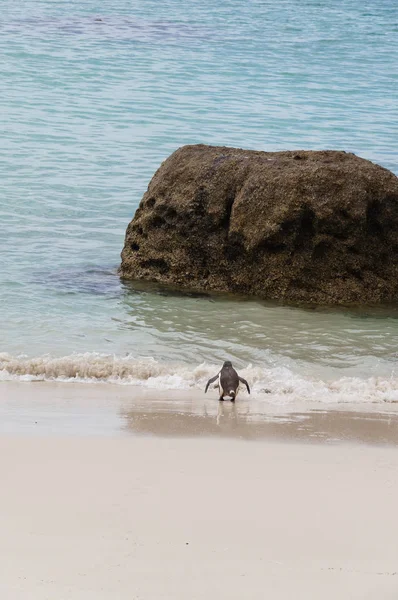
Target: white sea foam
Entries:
(275, 384)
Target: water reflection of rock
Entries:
(82, 279)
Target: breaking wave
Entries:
(278, 385)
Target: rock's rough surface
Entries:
(303, 226)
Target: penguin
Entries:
(228, 382)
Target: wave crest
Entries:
(275, 384)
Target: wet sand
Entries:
(60, 409)
(133, 506)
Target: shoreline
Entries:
(46, 408)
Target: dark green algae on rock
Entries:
(303, 226)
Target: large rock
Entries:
(300, 226)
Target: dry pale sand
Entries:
(134, 516)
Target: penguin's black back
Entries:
(229, 378)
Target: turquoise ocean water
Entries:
(94, 95)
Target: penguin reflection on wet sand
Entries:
(228, 382)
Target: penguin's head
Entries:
(227, 364)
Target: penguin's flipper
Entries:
(245, 382)
(211, 381)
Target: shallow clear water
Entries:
(90, 109)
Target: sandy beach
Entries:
(109, 513)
